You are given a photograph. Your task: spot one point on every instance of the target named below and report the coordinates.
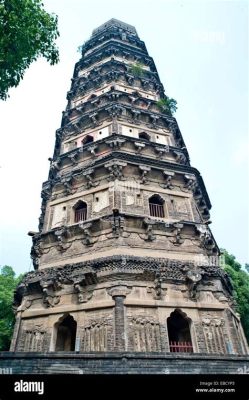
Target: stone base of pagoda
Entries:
(122, 363)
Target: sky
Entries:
(201, 52)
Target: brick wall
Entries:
(122, 363)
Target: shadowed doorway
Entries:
(179, 333)
(66, 334)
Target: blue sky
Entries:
(201, 52)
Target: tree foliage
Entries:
(27, 32)
(8, 283)
(240, 281)
(167, 105)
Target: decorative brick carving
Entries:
(190, 182)
(144, 170)
(88, 174)
(170, 269)
(139, 146)
(61, 235)
(92, 149)
(145, 334)
(67, 184)
(49, 296)
(84, 295)
(206, 239)
(85, 227)
(115, 143)
(36, 250)
(214, 335)
(161, 151)
(95, 335)
(46, 190)
(168, 176)
(154, 120)
(117, 223)
(193, 278)
(159, 290)
(73, 157)
(115, 169)
(93, 117)
(178, 239)
(55, 165)
(150, 236)
(114, 110)
(34, 340)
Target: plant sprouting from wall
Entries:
(136, 69)
(167, 105)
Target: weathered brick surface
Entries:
(122, 363)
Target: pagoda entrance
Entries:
(179, 333)
(66, 334)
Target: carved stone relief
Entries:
(95, 335)
(145, 334)
(214, 335)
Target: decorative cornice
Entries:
(147, 229)
(49, 280)
(113, 47)
(121, 159)
(112, 70)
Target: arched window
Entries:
(66, 334)
(179, 333)
(87, 139)
(80, 211)
(156, 204)
(92, 97)
(144, 135)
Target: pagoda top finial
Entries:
(115, 23)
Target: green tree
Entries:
(167, 105)
(247, 267)
(8, 283)
(240, 281)
(27, 32)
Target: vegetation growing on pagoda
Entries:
(167, 105)
(136, 69)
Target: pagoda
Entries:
(124, 260)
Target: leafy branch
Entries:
(167, 105)
(27, 32)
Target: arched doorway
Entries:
(87, 139)
(80, 211)
(66, 334)
(144, 135)
(179, 333)
(156, 204)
